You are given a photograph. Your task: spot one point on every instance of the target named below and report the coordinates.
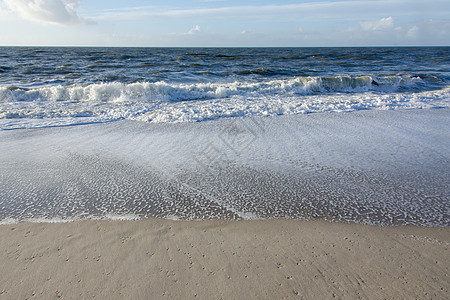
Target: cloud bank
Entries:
(62, 12)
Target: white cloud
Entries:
(63, 12)
(430, 32)
(413, 31)
(383, 24)
(195, 29)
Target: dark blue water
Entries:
(33, 67)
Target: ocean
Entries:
(43, 86)
(339, 134)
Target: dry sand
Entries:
(276, 259)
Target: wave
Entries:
(166, 92)
(163, 102)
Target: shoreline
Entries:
(135, 218)
(368, 167)
(156, 258)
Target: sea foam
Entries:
(162, 91)
(163, 102)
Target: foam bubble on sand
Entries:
(52, 220)
(12, 221)
(250, 216)
(172, 218)
(8, 221)
(113, 217)
(125, 217)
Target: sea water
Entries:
(199, 133)
(42, 87)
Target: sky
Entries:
(224, 23)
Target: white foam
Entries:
(250, 216)
(172, 218)
(256, 106)
(55, 220)
(162, 91)
(52, 220)
(124, 217)
(162, 102)
(8, 221)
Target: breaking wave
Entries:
(165, 92)
(163, 102)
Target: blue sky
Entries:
(224, 23)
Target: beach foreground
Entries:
(157, 258)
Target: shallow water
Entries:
(372, 167)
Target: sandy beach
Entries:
(225, 181)
(277, 259)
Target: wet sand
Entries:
(272, 259)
